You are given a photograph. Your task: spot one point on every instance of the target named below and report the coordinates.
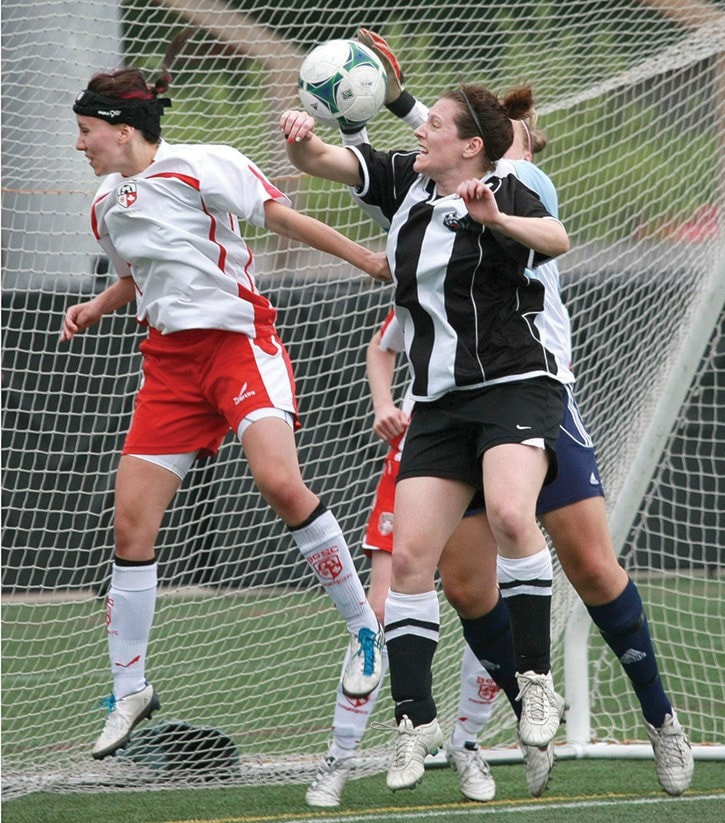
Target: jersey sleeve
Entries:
(387, 176)
(391, 334)
(233, 183)
(514, 197)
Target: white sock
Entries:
(526, 575)
(475, 704)
(352, 715)
(129, 616)
(322, 544)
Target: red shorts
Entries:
(199, 384)
(379, 532)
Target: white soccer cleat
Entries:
(541, 709)
(673, 756)
(123, 717)
(412, 745)
(538, 763)
(326, 789)
(365, 664)
(474, 774)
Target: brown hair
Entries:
(130, 84)
(481, 114)
(519, 103)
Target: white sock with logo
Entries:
(130, 609)
(352, 715)
(322, 544)
(475, 703)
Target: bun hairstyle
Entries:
(519, 103)
(124, 96)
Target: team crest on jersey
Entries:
(126, 194)
(456, 222)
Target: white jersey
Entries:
(393, 339)
(553, 323)
(175, 228)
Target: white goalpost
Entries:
(632, 97)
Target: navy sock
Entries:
(623, 625)
(491, 640)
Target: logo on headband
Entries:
(126, 194)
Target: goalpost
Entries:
(632, 97)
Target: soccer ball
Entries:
(342, 83)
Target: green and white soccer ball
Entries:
(342, 83)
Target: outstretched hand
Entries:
(393, 71)
(297, 125)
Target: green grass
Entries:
(591, 791)
(216, 661)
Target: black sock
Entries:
(531, 626)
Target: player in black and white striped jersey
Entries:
(460, 240)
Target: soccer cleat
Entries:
(538, 763)
(474, 774)
(365, 663)
(412, 745)
(673, 756)
(326, 789)
(123, 717)
(541, 708)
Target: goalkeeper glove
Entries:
(397, 99)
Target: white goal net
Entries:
(632, 97)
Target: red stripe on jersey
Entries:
(190, 181)
(222, 259)
(388, 320)
(271, 190)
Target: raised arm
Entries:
(542, 234)
(310, 154)
(296, 226)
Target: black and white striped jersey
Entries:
(462, 295)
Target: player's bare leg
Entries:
(270, 449)
(143, 493)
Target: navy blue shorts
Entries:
(578, 476)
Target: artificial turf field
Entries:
(592, 791)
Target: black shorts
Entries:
(448, 436)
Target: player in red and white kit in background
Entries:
(571, 509)
(169, 218)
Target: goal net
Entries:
(632, 97)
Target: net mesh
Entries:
(631, 97)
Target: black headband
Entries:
(142, 114)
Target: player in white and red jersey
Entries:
(169, 218)
(478, 689)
